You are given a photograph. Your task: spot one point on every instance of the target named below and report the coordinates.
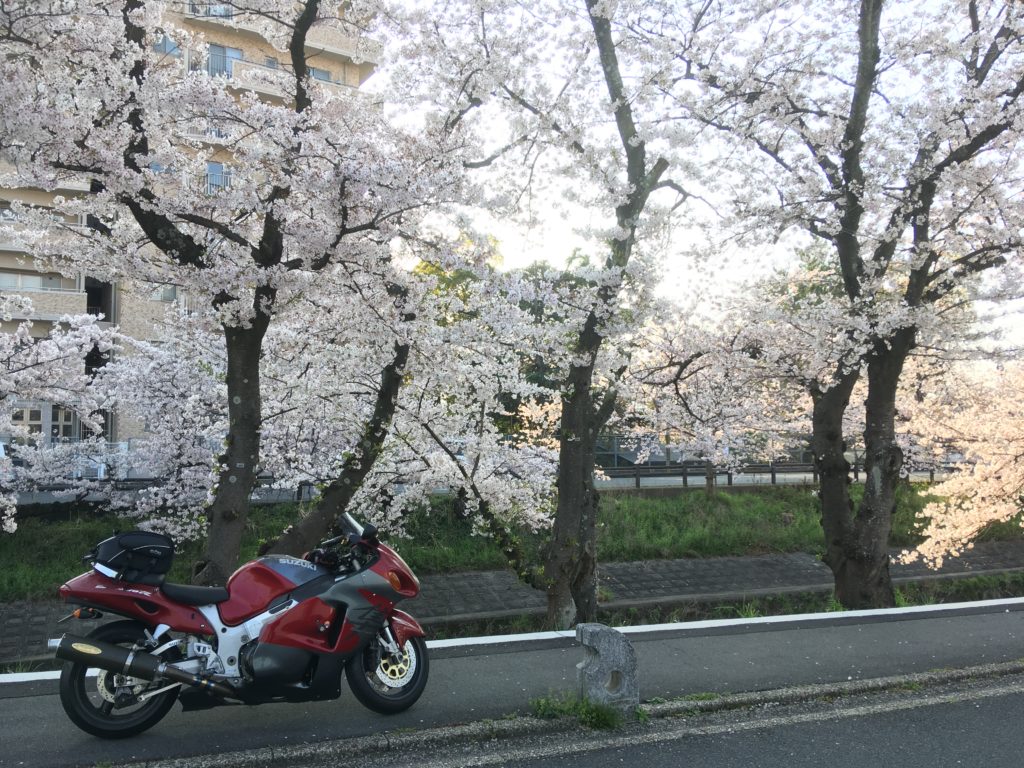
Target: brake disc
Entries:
(110, 685)
(396, 669)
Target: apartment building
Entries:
(238, 52)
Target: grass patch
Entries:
(441, 541)
(589, 714)
(988, 587)
(692, 524)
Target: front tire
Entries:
(385, 682)
(105, 704)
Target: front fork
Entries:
(388, 641)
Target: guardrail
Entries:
(707, 475)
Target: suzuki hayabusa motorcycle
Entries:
(283, 629)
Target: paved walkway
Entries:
(457, 597)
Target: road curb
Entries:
(526, 726)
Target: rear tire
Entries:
(89, 700)
(389, 683)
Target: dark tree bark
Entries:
(570, 567)
(857, 540)
(239, 464)
(305, 534)
(571, 562)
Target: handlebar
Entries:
(357, 533)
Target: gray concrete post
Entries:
(607, 675)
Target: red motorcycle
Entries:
(282, 630)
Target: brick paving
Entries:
(25, 626)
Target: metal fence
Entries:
(703, 474)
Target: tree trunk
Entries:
(335, 498)
(239, 463)
(857, 545)
(570, 566)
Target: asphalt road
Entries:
(495, 680)
(970, 724)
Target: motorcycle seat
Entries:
(190, 595)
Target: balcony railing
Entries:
(217, 182)
(251, 75)
(209, 130)
(322, 36)
(211, 10)
(43, 283)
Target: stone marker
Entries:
(607, 675)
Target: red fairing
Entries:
(307, 625)
(390, 561)
(138, 600)
(251, 587)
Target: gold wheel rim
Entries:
(395, 667)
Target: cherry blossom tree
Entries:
(889, 132)
(454, 428)
(321, 180)
(174, 385)
(707, 392)
(578, 106)
(51, 368)
(978, 417)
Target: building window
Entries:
(63, 423)
(218, 177)
(31, 417)
(320, 74)
(34, 281)
(270, 62)
(220, 58)
(165, 293)
(167, 46)
(213, 10)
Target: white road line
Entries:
(683, 626)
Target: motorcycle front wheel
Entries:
(106, 704)
(389, 682)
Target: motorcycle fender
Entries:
(405, 626)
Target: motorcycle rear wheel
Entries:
(389, 683)
(87, 693)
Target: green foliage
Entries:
(42, 555)
(691, 524)
(440, 540)
(587, 713)
(907, 522)
(989, 587)
(749, 611)
(899, 598)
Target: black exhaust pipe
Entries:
(114, 658)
